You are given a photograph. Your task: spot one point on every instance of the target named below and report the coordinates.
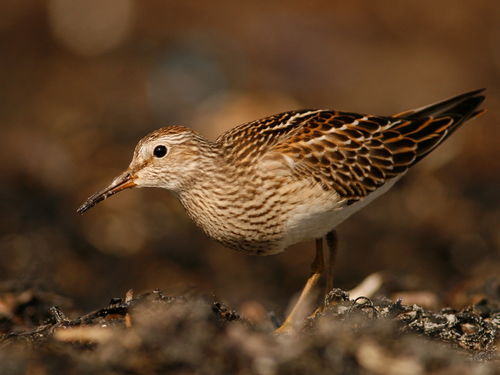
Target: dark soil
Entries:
(157, 334)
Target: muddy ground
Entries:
(153, 333)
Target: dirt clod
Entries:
(152, 333)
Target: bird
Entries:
(291, 177)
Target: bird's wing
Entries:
(354, 154)
(248, 142)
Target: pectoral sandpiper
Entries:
(291, 177)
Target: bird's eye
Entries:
(160, 151)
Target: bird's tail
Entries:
(464, 106)
(430, 125)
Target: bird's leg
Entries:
(298, 311)
(331, 242)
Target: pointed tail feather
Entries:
(441, 107)
(429, 126)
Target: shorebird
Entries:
(290, 177)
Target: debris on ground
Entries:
(152, 333)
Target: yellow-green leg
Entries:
(298, 312)
(331, 242)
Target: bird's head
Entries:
(169, 158)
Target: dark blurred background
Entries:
(82, 81)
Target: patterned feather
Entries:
(353, 154)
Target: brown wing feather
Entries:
(250, 141)
(355, 154)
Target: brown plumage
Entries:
(291, 177)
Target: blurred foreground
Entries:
(156, 334)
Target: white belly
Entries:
(316, 217)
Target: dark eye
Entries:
(160, 151)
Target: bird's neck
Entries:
(212, 196)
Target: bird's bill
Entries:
(122, 182)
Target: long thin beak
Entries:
(122, 182)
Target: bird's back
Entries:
(353, 154)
